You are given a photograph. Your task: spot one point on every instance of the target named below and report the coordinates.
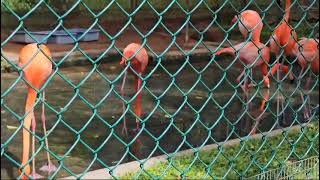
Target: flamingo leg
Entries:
(246, 95)
(264, 71)
(138, 102)
(255, 127)
(124, 130)
(305, 114)
(266, 96)
(279, 97)
(32, 95)
(264, 100)
(50, 167)
(244, 87)
(240, 76)
(307, 110)
(138, 111)
(251, 84)
(34, 174)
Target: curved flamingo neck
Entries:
(228, 51)
(256, 36)
(287, 15)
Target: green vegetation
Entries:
(16, 5)
(246, 159)
(314, 174)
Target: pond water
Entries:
(180, 111)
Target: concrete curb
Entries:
(134, 166)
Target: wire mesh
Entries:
(187, 103)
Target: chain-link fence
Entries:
(187, 78)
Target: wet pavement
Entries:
(183, 110)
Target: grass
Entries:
(304, 169)
(313, 174)
(246, 159)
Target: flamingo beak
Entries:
(291, 78)
(123, 62)
(233, 20)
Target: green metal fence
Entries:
(190, 94)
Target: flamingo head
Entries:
(137, 65)
(123, 62)
(127, 55)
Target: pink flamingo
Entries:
(36, 69)
(284, 36)
(307, 52)
(139, 63)
(249, 55)
(257, 112)
(250, 21)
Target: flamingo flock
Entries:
(253, 54)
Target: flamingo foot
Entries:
(35, 175)
(24, 177)
(48, 168)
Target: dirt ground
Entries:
(130, 35)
